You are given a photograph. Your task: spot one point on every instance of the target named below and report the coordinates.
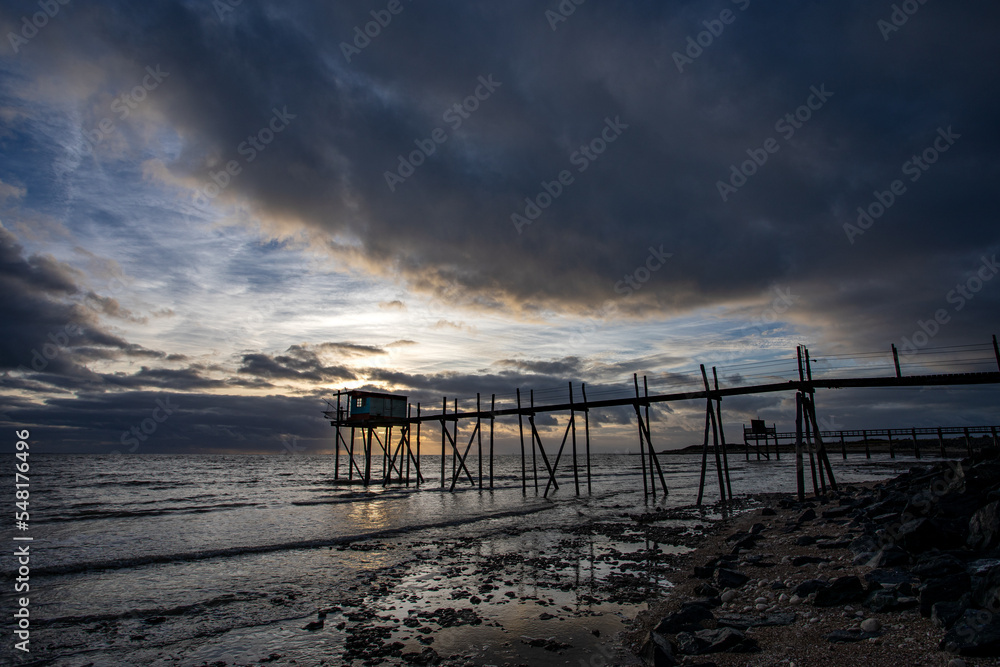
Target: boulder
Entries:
(726, 578)
(847, 636)
(744, 621)
(984, 527)
(691, 617)
(808, 515)
(946, 614)
(842, 590)
(937, 566)
(976, 634)
(943, 589)
(721, 640)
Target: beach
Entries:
(246, 560)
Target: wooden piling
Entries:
(572, 423)
(479, 439)
(916, 446)
(586, 431)
(892, 447)
(493, 409)
(520, 426)
(868, 451)
(417, 462)
(722, 435)
(444, 450)
(800, 482)
(941, 442)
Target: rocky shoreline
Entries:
(902, 572)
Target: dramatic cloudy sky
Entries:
(205, 205)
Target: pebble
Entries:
(760, 600)
(728, 596)
(761, 607)
(871, 625)
(783, 598)
(956, 662)
(795, 599)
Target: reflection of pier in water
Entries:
(389, 421)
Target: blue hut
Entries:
(365, 406)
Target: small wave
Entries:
(230, 552)
(129, 514)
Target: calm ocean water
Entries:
(141, 556)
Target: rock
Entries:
(768, 511)
(951, 587)
(871, 625)
(426, 657)
(728, 596)
(976, 634)
(726, 578)
(956, 662)
(889, 577)
(805, 541)
(757, 529)
(799, 561)
(946, 614)
(706, 590)
(842, 590)
(721, 640)
(937, 566)
(658, 651)
(808, 515)
(846, 636)
(744, 621)
(889, 556)
(808, 587)
(864, 544)
(918, 535)
(691, 617)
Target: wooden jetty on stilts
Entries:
(387, 427)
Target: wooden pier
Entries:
(401, 454)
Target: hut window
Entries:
(359, 402)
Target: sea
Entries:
(222, 559)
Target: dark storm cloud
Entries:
(447, 229)
(297, 363)
(44, 325)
